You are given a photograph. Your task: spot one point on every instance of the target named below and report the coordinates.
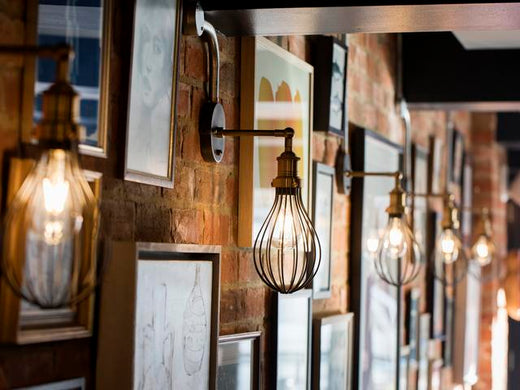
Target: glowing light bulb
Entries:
(449, 246)
(393, 241)
(46, 225)
(286, 232)
(483, 250)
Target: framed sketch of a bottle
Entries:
(159, 317)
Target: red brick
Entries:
(195, 61)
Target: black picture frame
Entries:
(253, 338)
(322, 212)
(413, 298)
(288, 310)
(447, 345)
(329, 75)
(456, 158)
(420, 159)
(375, 332)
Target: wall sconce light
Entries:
(398, 255)
(51, 224)
(483, 249)
(287, 250)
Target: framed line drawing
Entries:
(168, 297)
(87, 27)
(292, 360)
(322, 217)
(329, 58)
(239, 361)
(332, 352)
(151, 127)
(24, 323)
(374, 302)
(276, 92)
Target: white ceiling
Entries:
(481, 40)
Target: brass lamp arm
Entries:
(397, 175)
(287, 133)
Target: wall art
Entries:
(412, 322)
(239, 362)
(322, 216)
(292, 360)
(69, 384)
(435, 291)
(420, 204)
(87, 28)
(25, 323)
(276, 92)
(167, 295)
(435, 154)
(329, 58)
(424, 338)
(373, 301)
(332, 352)
(150, 138)
(457, 157)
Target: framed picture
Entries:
(424, 337)
(403, 367)
(239, 362)
(467, 327)
(292, 360)
(420, 204)
(276, 92)
(332, 351)
(87, 27)
(167, 297)
(70, 384)
(435, 164)
(435, 290)
(150, 137)
(457, 157)
(374, 302)
(467, 202)
(329, 58)
(25, 323)
(447, 346)
(412, 321)
(323, 205)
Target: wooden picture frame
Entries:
(375, 334)
(332, 353)
(142, 280)
(330, 58)
(276, 92)
(322, 217)
(51, 27)
(292, 341)
(69, 384)
(22, 323)
(152, 97)
(225, 358)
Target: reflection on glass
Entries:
(234, 365)
(293, 338)
(333, 361)
(77, 23)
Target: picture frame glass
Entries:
(338, 108)
(235, 361)
(173, 324)
(152, 97)
(283, 98)
(85, 28)
(293, 340)
(323, 194)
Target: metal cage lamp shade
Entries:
(449, 262)
(398, 257)
(51, 225)
(287, 250)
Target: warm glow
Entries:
(373, 242)
(55, 194)
(394, 238)
(286, 233)
(482, 250)
(448, 245)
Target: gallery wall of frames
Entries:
(174, 252)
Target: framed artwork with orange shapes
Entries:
(276, 92)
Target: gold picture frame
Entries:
(276, 92)
(28, 134)
(21, 323)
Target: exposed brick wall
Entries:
(203, 206)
